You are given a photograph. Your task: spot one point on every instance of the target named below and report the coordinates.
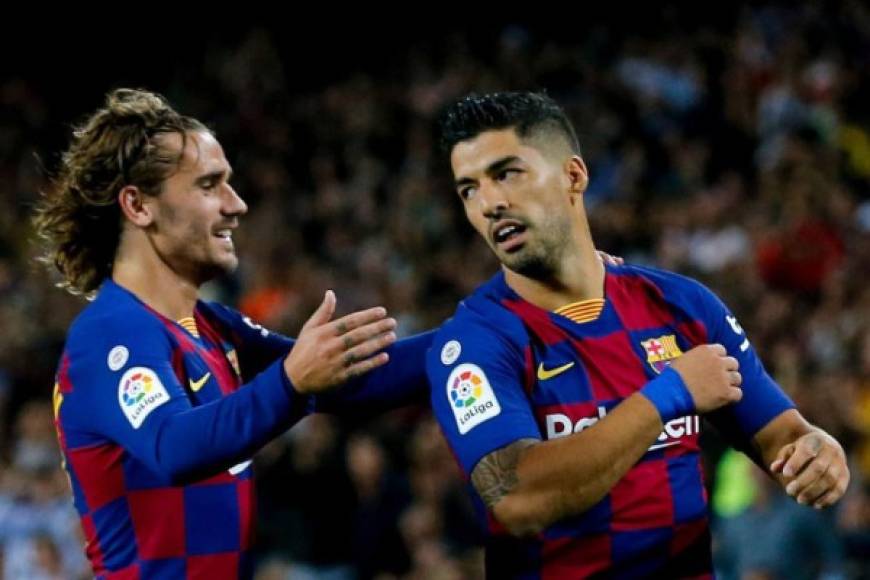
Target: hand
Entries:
(327, 353)
(711, 376)
(813, 469)
(608, 259)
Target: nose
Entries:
(233, 204)
(492, 200)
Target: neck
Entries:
(144, 273)
(580, 276)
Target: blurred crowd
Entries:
(732, 147)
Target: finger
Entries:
(366, 365)
(811, 483)
(717, 349)
(735, 378)
(806, 449)
(826, 499)
(369, 331)
(323, 313)
(834, 494)
(735, 394)
(731, 363)
(831, 483)
(355, 320)
(368, 348)
(779, 462)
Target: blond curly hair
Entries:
(79, 219)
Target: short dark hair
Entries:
(525, 112)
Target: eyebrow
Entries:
(491, 169)
(213, 175)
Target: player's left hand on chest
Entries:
(813, 469)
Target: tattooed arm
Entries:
(529, 484)
(479, 398)
(496, 474)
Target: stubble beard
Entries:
(540, 258)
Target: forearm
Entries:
(212, 437)
(786, 428)
(563, 477)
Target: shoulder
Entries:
(670, 283)
(484, 313)
(231, 319)
(493, 342)
(495, 325)
(685, 293)
(116, 321)
(220, 311)
(115, 340)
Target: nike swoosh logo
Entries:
(544, 374)
(239, 467)
(197, 385)
(663, 445)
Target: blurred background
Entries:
(728, 143)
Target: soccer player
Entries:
(162, 398)
(570, 390)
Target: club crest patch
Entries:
(661, 351)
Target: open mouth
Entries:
(226, 235)
(509, 235)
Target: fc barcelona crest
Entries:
(661, 351)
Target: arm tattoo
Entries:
(496, 474)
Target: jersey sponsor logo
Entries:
(735, 326)
(139, 393)
(561, 425)
(263, 332)
(661, 351)
(471, 397)
(117, 357)
(197, 385)
(544, 374)
(450, 352)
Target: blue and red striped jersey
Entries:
(158, 421)
(503, 369)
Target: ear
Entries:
(578, 175)
(135, 206)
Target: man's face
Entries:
(197, 210)
(517, 196)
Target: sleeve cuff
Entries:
(286, 394)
